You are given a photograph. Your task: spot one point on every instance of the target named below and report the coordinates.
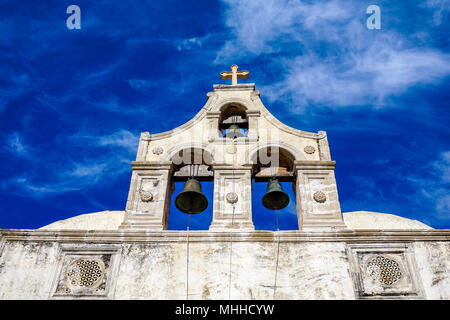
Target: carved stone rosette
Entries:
(309, 149)
(319, 196)
(232, 197)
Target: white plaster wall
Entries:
(433, 263)
(157, 270)
(27, 269)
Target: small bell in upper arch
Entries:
(275, 198)
(234, 132)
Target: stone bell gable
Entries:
(259, 147)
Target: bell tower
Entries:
(232, 141)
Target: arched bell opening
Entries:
(273, 188)
(191, 190)
(233, 122)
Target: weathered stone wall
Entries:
(322, 265)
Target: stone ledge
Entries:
(314, 165)
(236, 87)
(124, 236)
(151, 165)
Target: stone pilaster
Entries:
(253, 124)
(324, 148)
(232, 188)
(148, 200)
(143, 146)
(317, 199)
(213, 125)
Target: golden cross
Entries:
(234, 74)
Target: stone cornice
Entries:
(126, 236)
(151, 165)
(236, 87)
(222, 166)
(200, 115)
(314, 165)
(253, 113)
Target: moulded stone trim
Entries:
(72, 252)
(408, 286)
(199, 116)
(314, 165)
(153, 214)
(228, 215)
(205, 147)
(296, 154)
(151, 165)
(2, 245)
(314, 176)
(235, 87)
(283, 127)
(124, 236)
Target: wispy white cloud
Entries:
(441, 9)
(25, 186)
(373, 77)
(191, 43)
(427, 193)
(122, 138)
(341, 62)
(16, 145)
(442, 165)
(117, 151)
(140, 84)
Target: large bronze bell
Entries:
(234, 132)
(191, 199)
(275, 198)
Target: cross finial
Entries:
(234, 74)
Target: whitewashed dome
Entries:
(356, 220)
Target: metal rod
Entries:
(193, 170)
(231, 254)
(187, 259)
(273, 172)
(231, 238)
(278, 253)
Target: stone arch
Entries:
(182, 157)
(233, 113)
(290, 151)
(225, 103)
(198, 148)
(262, 174)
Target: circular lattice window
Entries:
(87, 273)
(384, 270)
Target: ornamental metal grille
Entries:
(86, 273)
(384, 270)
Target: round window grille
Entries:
(384, 270)
(86, 273)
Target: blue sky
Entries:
(73, 102)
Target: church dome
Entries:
(103, 220)
(364, 220)
(356, 220)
